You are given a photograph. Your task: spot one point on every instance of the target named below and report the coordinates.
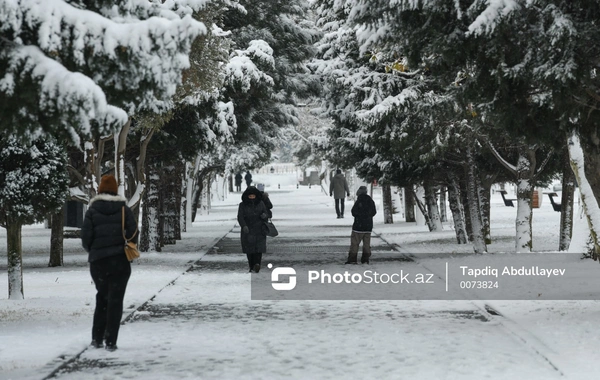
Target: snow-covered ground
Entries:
(203, 324)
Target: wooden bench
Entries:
(507, 202)
(555, 206)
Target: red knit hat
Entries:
(108, 184)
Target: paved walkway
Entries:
(205, 326)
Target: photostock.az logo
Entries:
(280, 272)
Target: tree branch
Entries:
(506, 164)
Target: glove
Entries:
(331, 194)
(348, 194)
(263, 216)
(246, 229)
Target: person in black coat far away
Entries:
(252, 215)
(238, 182)
(363, 211)
(248, 178)
(102, 238)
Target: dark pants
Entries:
(355, 239)
(254, 258)
(110, 276)
(238, 187)
(339, 206)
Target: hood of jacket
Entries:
(251, 190)
(107, 204)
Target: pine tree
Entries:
(33, 183)
(75, 69)
(277, 38)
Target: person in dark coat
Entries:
(238, 182)
(337, 189)
(363, 211)
(248, 178)
(102, 238)
(266, 200)
(252, 215)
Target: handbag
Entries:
(131, 250)
(272, 230)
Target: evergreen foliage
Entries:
(33, 180)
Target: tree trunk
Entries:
(581, 158)
(199, 190)
(443, 214)
(56, 238)
(458, 214)
(150, 236)
(432, 207)
(409, 205)
(422, 208)
(168, 194)
(208, 192)
(140, 171)
(526, 164)
(474, 207)
(386, 189)
(464, 199)
(91, 180)
(120, 139)
(484, 190)
(183, 195)
(15, 261)
(178, 185)
(566, 205)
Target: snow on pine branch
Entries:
(169, 9)
(391, 104)
(91, 38)
(60, 88)
(52, 19)
(243, 72)
(487, 20)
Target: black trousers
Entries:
(110, 276)
(254, 258)
(339, 206)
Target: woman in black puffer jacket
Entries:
(252, 217)
(102, 238)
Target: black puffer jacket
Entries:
(363, 212)
(101, 233)
(253, 214)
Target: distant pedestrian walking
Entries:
(337, 189)
(363, 211)
(266, 200)
(238, 182)
(102, 238)
(252, 215)
(248, 178)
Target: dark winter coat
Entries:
(363, 212)
(248, 178)
(253, 214)
(101, 233)
(238, 179)
(338, 186)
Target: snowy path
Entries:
(206, 326)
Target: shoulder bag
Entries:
(131, 250)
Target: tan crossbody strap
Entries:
(123, 224)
